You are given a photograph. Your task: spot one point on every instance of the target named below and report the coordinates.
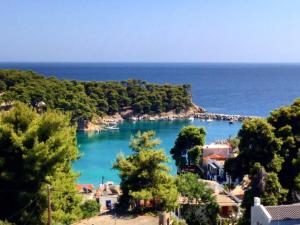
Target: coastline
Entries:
(194, 112)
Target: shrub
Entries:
(90, 208)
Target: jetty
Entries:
(219, 116)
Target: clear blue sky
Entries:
(150, 30)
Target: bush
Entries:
(5, 223)
(177, 221)
(90, 208)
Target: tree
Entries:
(201, 207)
(286, 121)
(36, 150)
(257, 144)
(264, 185)
(188, 137)
(297, 166)
(194, 155)
(86, 100)
(145, 175)
(90, 208)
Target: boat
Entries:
(134, 118)
(209, 120)
(231, 121)
(191, 118)
(112, 128)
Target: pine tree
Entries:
(37, 150)
(145, 175)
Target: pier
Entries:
(219, 116)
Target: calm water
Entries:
(100, 149)
(248, 89)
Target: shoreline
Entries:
(194, 112)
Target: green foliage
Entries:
(36, 150)
(145, 176)
(196, 191)
(201, 207)
(177, 221)
(264, 185)
(257, 144)
(269, 152)
(5, 223)
(194, 155)
(234, 142)
(297, 167)
(188, 138)
(86, 100)
(90, 208)
(286, 121)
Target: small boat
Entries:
(112, 128)
(134, 118)
(231, 121)
(191, 118)
(209, 120)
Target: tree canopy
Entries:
(145, 175)
(184, 151)
(269, 151)
(274, 143)
(201, 207)
(85, 100)
(36, 150)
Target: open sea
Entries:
(246, 89)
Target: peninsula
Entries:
(96, 104)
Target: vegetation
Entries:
(177, 221)
(5, 223)
(269, 153)
(90, 208)
(145, 176)
(188, 145)
(201, 207)
(85, 100)
(37, 150)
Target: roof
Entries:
(215, 156)
(238, 191)
(224, 200)
(214, 145)
(284, 212)
(79, 187)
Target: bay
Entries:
(99, 150)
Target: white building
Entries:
(224, 150)
(274, 215)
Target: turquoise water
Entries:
(100, 149)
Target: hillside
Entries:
(89, 100)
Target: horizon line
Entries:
(149, 62)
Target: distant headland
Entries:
(94, 105)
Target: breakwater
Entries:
(219, 116)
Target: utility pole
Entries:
(49, 205)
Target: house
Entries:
(229, 205)
(214, 157)
(218, 148)
(274, 215)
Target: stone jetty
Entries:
(219, 116)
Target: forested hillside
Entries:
(85, 100)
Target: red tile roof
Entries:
(215, 156)
(79, 187)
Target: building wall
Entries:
(285, 222)
(219, 151)
(259, 216)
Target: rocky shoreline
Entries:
(194, 112)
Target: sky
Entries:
(150, 31)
